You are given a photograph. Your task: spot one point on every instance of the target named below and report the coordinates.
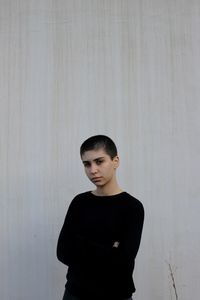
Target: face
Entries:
(99, 167)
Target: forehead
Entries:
(91, 155)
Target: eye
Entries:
(99, 161)
(86, 164)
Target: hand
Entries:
(116, 244)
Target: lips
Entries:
(96, 179)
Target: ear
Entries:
(116, 161)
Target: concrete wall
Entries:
(73, 68)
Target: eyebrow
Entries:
(86, 161)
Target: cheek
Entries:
(86, 171)
(109, 170)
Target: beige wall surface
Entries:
(73, 68)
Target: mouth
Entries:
(95, 179)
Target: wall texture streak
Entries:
(73, 68)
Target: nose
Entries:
(93, 169)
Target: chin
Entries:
(99, 184)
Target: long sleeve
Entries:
(91, 227)
(67, 239)
(129, 244)
(75, 247)
(105, 256)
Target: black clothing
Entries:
(68, 296)
(97, 270)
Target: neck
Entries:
(108, 190)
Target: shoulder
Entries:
(133, 204)
(79, 198)
(77, 203)
(132, 200)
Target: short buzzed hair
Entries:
(97, 142)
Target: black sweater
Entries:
(97, 270)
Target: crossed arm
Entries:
(75, 249)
